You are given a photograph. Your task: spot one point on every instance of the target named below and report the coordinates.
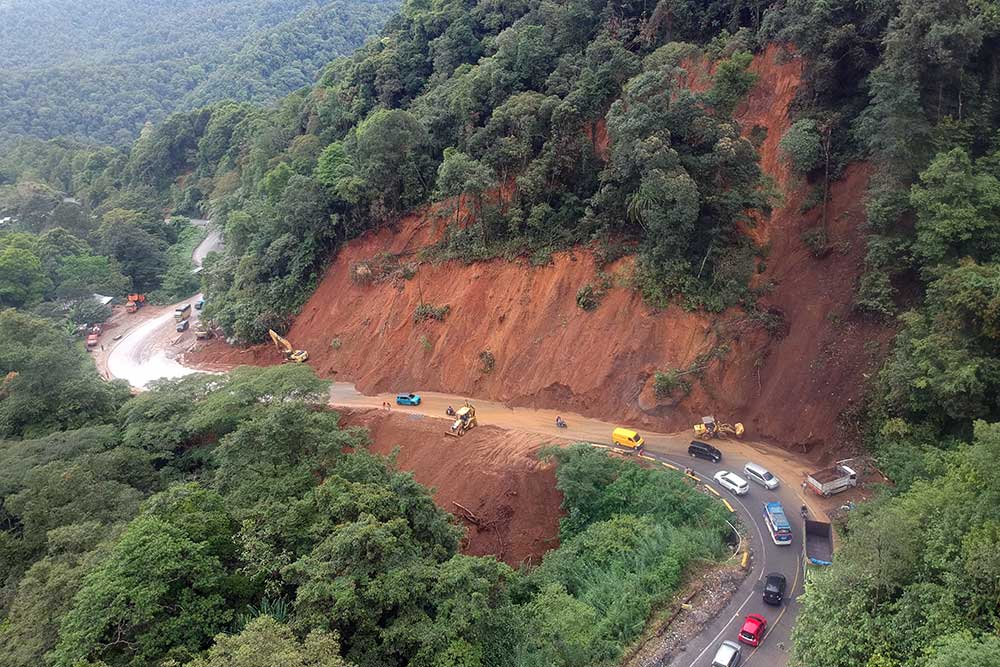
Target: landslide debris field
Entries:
(789, 376)
(511, 505)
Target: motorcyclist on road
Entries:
(560, 423)
(450, 411)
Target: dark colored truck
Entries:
(819, 542)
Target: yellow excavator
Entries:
(709, 428)
(465, 421)
(291, 354)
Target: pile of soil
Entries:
(511, 505)
(514, 333)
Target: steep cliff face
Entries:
(788, 379)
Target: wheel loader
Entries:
(291, 354)
(710, 428)
(465, 421)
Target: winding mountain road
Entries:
(671, 448)
(149, 351)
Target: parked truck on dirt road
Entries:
(135, 302)
(832, 480)
(181, 313)
(819, 542)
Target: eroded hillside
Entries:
(788, 371)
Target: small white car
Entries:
(761, 475)
(732, 482)
(728, 655)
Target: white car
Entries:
(761, 475)
(732, 482)
(728, 655)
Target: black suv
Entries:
(774, 588)
(703, 450)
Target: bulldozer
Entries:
(291, 354)
(710, 428)
(465, 421)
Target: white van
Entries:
(761, 475)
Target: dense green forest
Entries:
(135, 530)
(102, 69)
(492, 104)
(55, 254)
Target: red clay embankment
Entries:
(790, 388)
(493, 473)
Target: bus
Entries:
(777, 523)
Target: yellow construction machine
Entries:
(465, 421)
(291, 354)
(709, 428)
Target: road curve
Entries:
(148, 352)
(766, 556)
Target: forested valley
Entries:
(101, 70)
(495, 105)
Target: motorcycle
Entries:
(450, 411)
(560, 423)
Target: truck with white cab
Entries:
(832, 480)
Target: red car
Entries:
(753, 630)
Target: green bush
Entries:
(588, 297)
(802, 145)
(426, 311)
(487, 361)
(816, 240)
(665, 384)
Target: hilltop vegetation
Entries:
(103, 69)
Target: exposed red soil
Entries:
(492, 472)
(790, 388)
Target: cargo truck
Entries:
(832, 480)
(819, 542)
(181, 313)
(135, 302)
